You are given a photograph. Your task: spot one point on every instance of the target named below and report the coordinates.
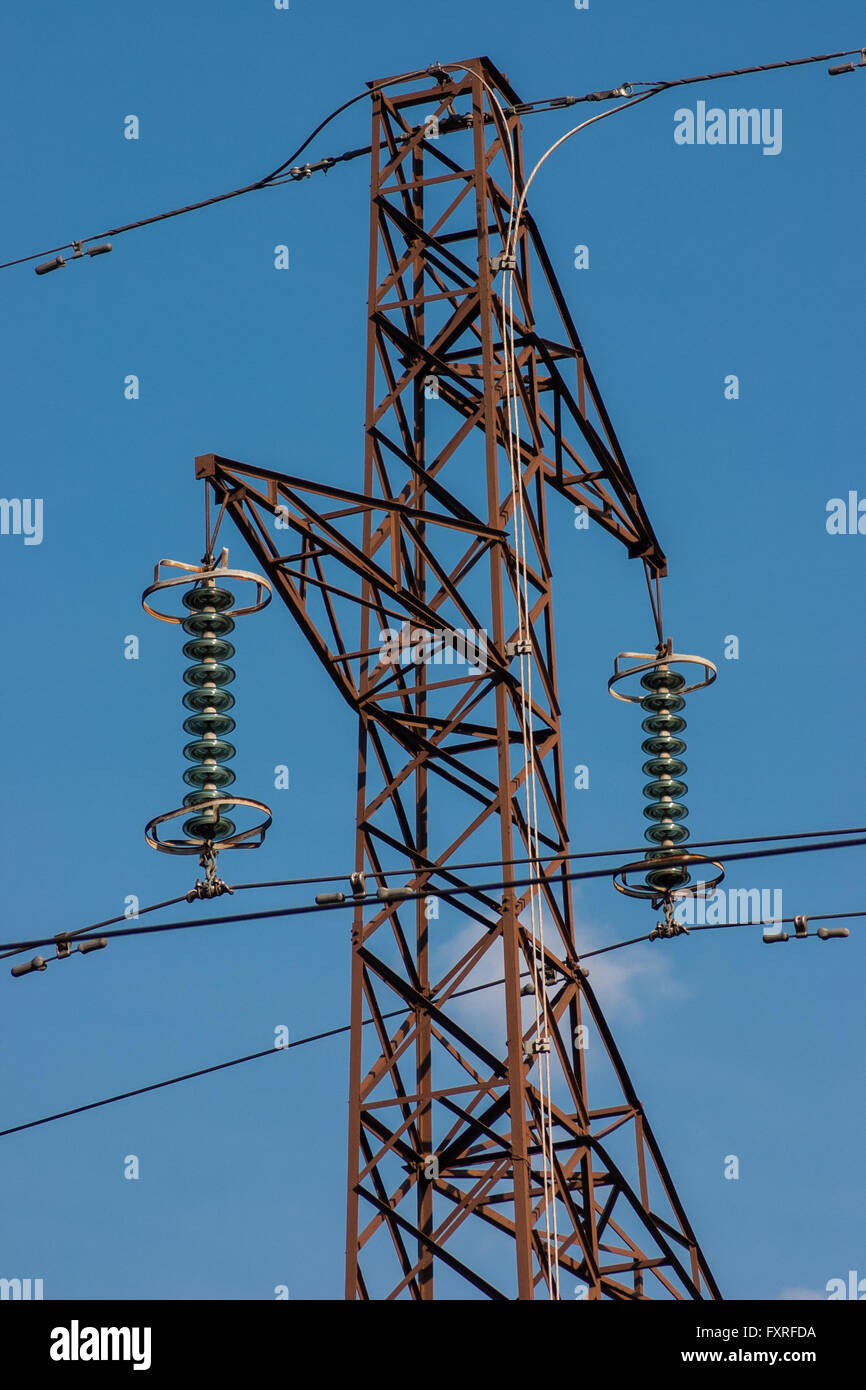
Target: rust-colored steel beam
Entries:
(466, 1177)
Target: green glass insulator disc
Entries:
(218, 724)
(663, 700)
(663, 721)
(206, 828)
(209, 773)
(659, 833)
(201, 798)
(656, 766)
(215, 748)
(662, 787)
(662, 680)
(199, 623)
(208, 648)
(203, 597)
(662, 743)
(207, 673)
(200, 700)
(677, 876)
(666, 810)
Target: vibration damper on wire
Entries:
(848, 67)
(358, 885)
(801, 932)
(78, 253)
(65, 948)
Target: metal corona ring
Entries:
(208, 621)
(663, 700)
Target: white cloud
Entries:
(483, 1012)
(801, 1295)
(628, 981)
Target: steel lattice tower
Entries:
(446, 1112)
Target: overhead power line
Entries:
(223, 1066)
(663, 86)
(722, 926)
(346, 1027)
(402, 871)
(288, 172)
(394, 896)
(532, 859)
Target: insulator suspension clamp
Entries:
(211, 886)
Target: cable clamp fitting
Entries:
(551, 975)
(537, 1048)
(211, 886)
(624, 91)
(358, 885)
(669, 927)
(455, 122)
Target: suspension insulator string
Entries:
(208, 620)
(661, 696)
(208, 627)
(665, 725)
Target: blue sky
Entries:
(704, 262)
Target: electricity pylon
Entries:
(504, 1152)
